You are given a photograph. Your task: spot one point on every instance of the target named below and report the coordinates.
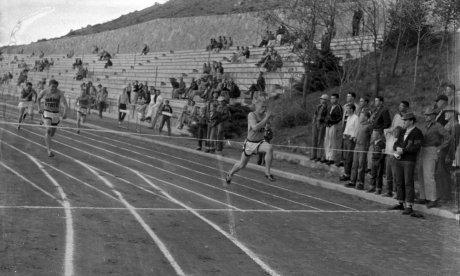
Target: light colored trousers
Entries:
(428, 157)
(332, 142)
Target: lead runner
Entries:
(255, 142)
(53, 98)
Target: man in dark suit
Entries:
(319, 128)
(407, 147)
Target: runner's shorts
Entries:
(83, 111)
(251, 148)
(51, 118)
(29, 105)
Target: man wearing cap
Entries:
(441, 105)
(319, 128)
(436, 140)
(406, 147)
(333, 136)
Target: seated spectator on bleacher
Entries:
(206, 68)
(265, 38)
(179, 88)
(22, 76)
(108, 63)
(271, 60)
(189, 113)
(280, 35)
(81, 73)
(259, 86)
(246, 53)
(234, 91)
(104, 55)
(145, 50)
(78, 62)
(191, 89)
(102, 100)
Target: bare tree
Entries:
(447, 13)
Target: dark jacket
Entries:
(334, 115)
(381, 119)
(411, 146)
(261, 83)
(319, 117)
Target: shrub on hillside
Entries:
(289, 112)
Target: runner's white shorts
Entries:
(51, 118)
(29, 105)
(251, 148)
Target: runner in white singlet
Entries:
(53, 99)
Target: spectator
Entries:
(123, 101)
(135, 92)
(78, 62)
(407, 147)
(145, 50)
(359, 166)
(128, 90)
(380, 118)
(357, 17)
(22, 76)
(166, 113)
(351, 97)
(222, 122)
(95, 49)
(450, 93)
(319, 128)
(259, 86)
(349, 137)
(108, 63)
(333, 134)
(268, 136)
(102, 100)
(265, 39)
(187, 113)
(224, 43)
(441, 105)
(179, 89)
(202, 127)
(212, 117)
(206, 68)
(436, 139)
(280, 33)
(230, 41)
(246, 52)
(378, 164)
(104, 55)
(192, 89)
(156, 108)
(234, 91)
(391, 160)
(446, 156)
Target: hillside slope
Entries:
(180, 8)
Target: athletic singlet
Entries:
(84, 101)
(52, 100)
(26, 96)
(255, 135)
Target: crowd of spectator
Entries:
(221, 43)
(365, 139)
(98, 96)
(242, 54)
(271, 60)
(43, 64)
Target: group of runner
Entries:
(53, 99)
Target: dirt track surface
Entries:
(122, 190)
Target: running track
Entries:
(107, 204)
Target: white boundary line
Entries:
(240, 245)
(199, 172)
(139, 219)
(249, 211)
(69, 237)
(148, 191)
(233, 182)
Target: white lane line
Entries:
(199, 172)
(69, 237)
(161, 169)
(139, 219)
(169, 184)
(240, 245)
(249, 211)
(238, 175)
(110, 161)
(28, 181)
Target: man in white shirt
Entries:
(349, 139)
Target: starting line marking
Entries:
(196, 210)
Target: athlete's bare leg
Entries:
(238, 166)
(79, 118)
(21, 116)
(268, 150)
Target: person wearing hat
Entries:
(447, 156)
(319, 128)
(406, 147)
(223, 119)
(436, 139)
(441, 105)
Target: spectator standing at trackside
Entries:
(154, 112)
(223, 120)
(358, 169)
(351, 97)
(407, 147)
(447, 156)
(333, 132)
(441, 105)
(378, 164)
(212, 117)
(363, 107)
(123, 101)
(268, 136)
(390, 137)
(102, 100)
(319, 128)
(202, 127)
(380, 120)
(349, 138)
(436, 139)
(166, 113)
